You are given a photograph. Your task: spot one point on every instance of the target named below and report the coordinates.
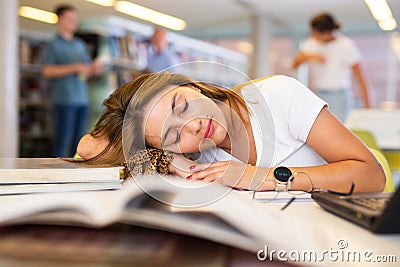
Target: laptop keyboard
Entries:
(371, 203)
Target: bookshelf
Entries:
(123, 43)
(128, 46)
(116, 54)
(35, 124)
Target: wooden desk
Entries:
(115, 246)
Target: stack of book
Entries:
(39, 175)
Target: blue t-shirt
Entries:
(70, 89)
(160, 61)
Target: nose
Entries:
(193, 126)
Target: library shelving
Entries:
(35, 124)
(124, 48)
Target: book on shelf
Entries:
(208, 211)
(34, 175)
(30, 50)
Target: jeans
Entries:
(70, 123)
(340, 102)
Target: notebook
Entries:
(377, 212)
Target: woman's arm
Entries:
(359, 76)
(349, 160)
(302, 57)
(180, 166)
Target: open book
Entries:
(210, 211)
(33, 175)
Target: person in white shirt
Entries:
(236, 137)
(333, 61)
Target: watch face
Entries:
(282, 174)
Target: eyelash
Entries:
(185, 107)
(178, 137)
(178, 134)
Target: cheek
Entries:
(153, 141)
(153, 127)
(152, 135)
(194, 144)
(190, 144)
(220, 133)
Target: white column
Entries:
(9, 90)
(261, 60)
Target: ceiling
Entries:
(232, 18)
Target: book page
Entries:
(198, 209)
(210, 211)
(218, 213)
(91, 208)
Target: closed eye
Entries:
(178, 137)
(185, 107)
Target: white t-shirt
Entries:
(340, 55)
(282, 113)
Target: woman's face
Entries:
(182, 120)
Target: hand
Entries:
(180, 166)
(96, 68)
(82, 69)
(230, 173)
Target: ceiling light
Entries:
(388, 24)
(382, 13)
(150, 15)
(102, 2)
(379, 9)
(37, 14)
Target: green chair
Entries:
(367, 137)
(389, 187)
(392, 157)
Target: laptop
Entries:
(377, 212)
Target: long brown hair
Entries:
(124, 109)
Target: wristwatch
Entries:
(282, 175)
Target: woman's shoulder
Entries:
(263, 80)
(278, 89)
(274, 81)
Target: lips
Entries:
(210, 129)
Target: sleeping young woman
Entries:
(236, 137)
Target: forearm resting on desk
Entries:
(334, 176)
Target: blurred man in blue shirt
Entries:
(161, 56)
(68, 66)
